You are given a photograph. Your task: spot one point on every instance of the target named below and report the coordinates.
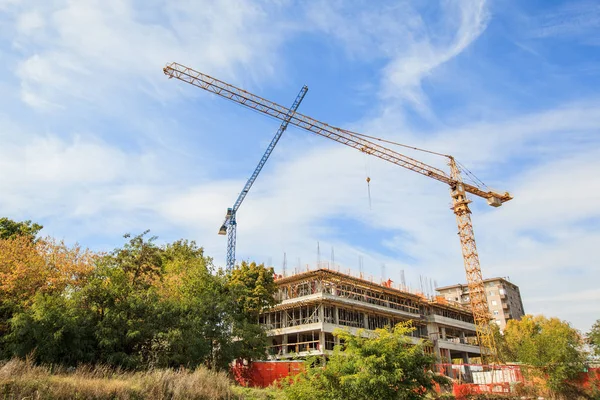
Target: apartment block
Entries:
(504, 299)
(312, 304)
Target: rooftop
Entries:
(462, 285)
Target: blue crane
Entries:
(229, 227)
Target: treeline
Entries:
(141, 305)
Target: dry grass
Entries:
(23, 380)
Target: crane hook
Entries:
(369, 190)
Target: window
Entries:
(495, 312)
(494, 303)
(502, 291)
(498, 322)
(490, 293)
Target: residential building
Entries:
(503, 296)
(312, 304)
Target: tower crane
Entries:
(458, 188)
(229, 226)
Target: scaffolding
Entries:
(336, 284)
(311, 305)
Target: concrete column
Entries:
(284, 343)
(322, 341)
(468, 375)
(321, 313)
(465, 357)
(336, 316)
(443, 333)
(433, 334)
(284, 319)
(462, 337)
(366, 321)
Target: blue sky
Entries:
(95, 142)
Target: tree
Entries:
(46, 265)
(56, 330)
(593, 337)
(387, 365)
(123, 296)
(28, 268)
(251, 288)
(198, 292)
(141, 305)
(550, 346)
(10, 229)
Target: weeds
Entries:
(22, 379)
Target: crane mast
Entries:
(478, 299)
(229, 226)
(458, 188)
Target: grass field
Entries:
(23, 380)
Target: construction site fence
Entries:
(467, 379)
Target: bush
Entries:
(387, 365)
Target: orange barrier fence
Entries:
(264, 373)
(467, 379)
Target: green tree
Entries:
(198, 292)
(56, 330)
(550, 346)
(30, 268)
(10, 229)
(123, 295)
(387, 365)
(251, 288)
(593, 337)
(140, 305)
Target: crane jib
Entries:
(275, 110)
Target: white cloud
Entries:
(406, 71)
(397, 32)
(29, 22)
(93, 50)
(573, 19)
(4, 4)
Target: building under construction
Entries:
(312, 304)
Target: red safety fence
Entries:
(467, 379)
(264, 373)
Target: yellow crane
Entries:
(458, 188)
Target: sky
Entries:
(96, 142)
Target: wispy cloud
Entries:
(413, 48)
(578, 19)
(67, 45)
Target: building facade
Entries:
(504, 299)
(312, 304)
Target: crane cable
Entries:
(394, 143)
(473, 178)
(367, 170)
